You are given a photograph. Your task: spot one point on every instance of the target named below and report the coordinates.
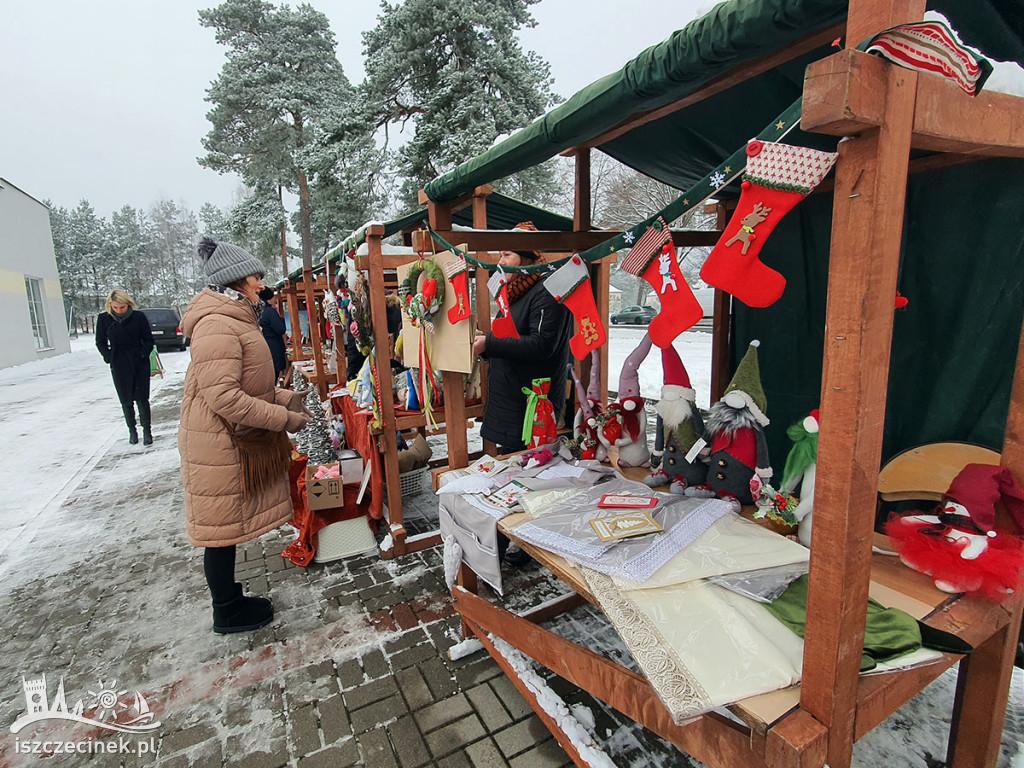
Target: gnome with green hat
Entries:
(735, 428)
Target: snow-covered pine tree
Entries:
(280, 77)
(456, 72)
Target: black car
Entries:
(166, 325)
(634, 316)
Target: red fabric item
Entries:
(545, 430)
(979, 486)
(460, 285)
(742, 446)
(922, 545)
(359, 439)
(503, 326)
(310, 522)
(680, 309)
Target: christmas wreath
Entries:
(421, 303)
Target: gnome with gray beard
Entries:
(738, 462)
(684, 463)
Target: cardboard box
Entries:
(325, 493)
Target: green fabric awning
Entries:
(682, 147)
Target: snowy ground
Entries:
(90, 520)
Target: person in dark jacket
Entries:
(125, 340)
(272, 325)
(541, 351)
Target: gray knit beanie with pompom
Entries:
(225, 263)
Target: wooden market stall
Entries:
(923, 151)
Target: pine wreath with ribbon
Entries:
(421, 303)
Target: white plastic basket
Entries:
(345, 538)
(412, 481)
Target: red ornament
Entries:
(429, 290)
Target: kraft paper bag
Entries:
(451, 346)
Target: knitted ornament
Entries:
(958, 545)
(778, 176)
(539, 427)
(653, 257)
(570, 285)
(502, 326)
(455, 271)
(422, 301)
(929, 46)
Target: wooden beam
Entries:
(841, 98)
(581, 201)
(870, 192)
(733, 77)
(711, 739)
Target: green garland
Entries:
(726, 172)
(421, 305)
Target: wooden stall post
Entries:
(720, 324)
(870, 192)
(983, 682)
(293, 313)
(387, 440)
(314, 332)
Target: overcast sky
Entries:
(103, 99)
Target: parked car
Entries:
(634, 316)
(166, 325)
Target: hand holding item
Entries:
(297, 421)
(295, 402)
(479, 344)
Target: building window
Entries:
(34, 289)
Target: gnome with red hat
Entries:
(627, 430)
(585, 428)
(958, 544)
(683, 463)
(738, 462)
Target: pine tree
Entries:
(456, 71)
(280, 77)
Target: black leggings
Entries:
(219, 567)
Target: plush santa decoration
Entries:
(585, 426)
(738, 462)
(958, 544)
(802, 469)
(626, 428)
(681, 437)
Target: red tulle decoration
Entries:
(995, 573)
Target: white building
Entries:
(32, 310)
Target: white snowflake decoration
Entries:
(717, 179)
(629, 237)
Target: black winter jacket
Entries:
(542, 351)
(125, 347)
(272, 325)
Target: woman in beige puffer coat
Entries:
(230, 402)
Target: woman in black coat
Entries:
(272, 325)
(541, 351)
(125, 340)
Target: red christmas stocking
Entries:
(653, 258)
(455, 271)
(778, 177)
(570, 285)
(503, 326)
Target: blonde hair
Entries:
(121, 298)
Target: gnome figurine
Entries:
(627, 430)
(958, 545)
(683, 462)
(584, 428)
(801, 469)
(735, 428)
